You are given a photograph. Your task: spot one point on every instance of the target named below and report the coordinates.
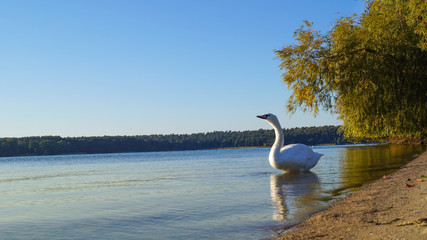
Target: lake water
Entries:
(209, 194)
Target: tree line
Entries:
(55, 145)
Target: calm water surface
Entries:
(212, 194)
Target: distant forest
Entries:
(55, 145)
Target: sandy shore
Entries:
(394, 207)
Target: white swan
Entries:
(292, 157)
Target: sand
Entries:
(394, 207)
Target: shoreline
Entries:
(394, 207)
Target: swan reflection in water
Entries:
(295, 195)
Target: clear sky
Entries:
(136, 67)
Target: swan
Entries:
(292, 157)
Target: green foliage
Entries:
(370, 69)
(51, 145)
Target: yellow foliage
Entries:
(370, 69)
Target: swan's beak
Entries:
(262, 116)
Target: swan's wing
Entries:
(296, 156)
(300, 151)
(312, 162)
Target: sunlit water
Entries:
(212, 194)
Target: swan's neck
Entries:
(278, 143)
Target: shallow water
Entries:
(209, 194)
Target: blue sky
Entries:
(99, 67)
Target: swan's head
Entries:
(269, 117)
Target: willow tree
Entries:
(370, 69)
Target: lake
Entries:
(205, 194)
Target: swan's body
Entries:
(293, 157)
